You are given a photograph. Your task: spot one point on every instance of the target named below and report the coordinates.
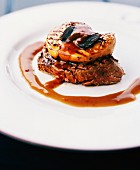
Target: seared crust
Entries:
(99, 50)
(102, 71)
(76, 54)
(60, 49)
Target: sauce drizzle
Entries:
(47, 89)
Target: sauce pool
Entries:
(47, 89)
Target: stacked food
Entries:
(75, 53)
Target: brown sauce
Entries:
(81, 32)
(68, 49)
(47, 89)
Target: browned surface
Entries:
(118, 98)
(103, 71)
(68, 51)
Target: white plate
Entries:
(29, 116)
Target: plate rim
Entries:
(40, 6)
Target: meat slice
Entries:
(77, 42)
(103, 71)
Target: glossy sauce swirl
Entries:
(47, 89)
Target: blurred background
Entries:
(7, 6)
